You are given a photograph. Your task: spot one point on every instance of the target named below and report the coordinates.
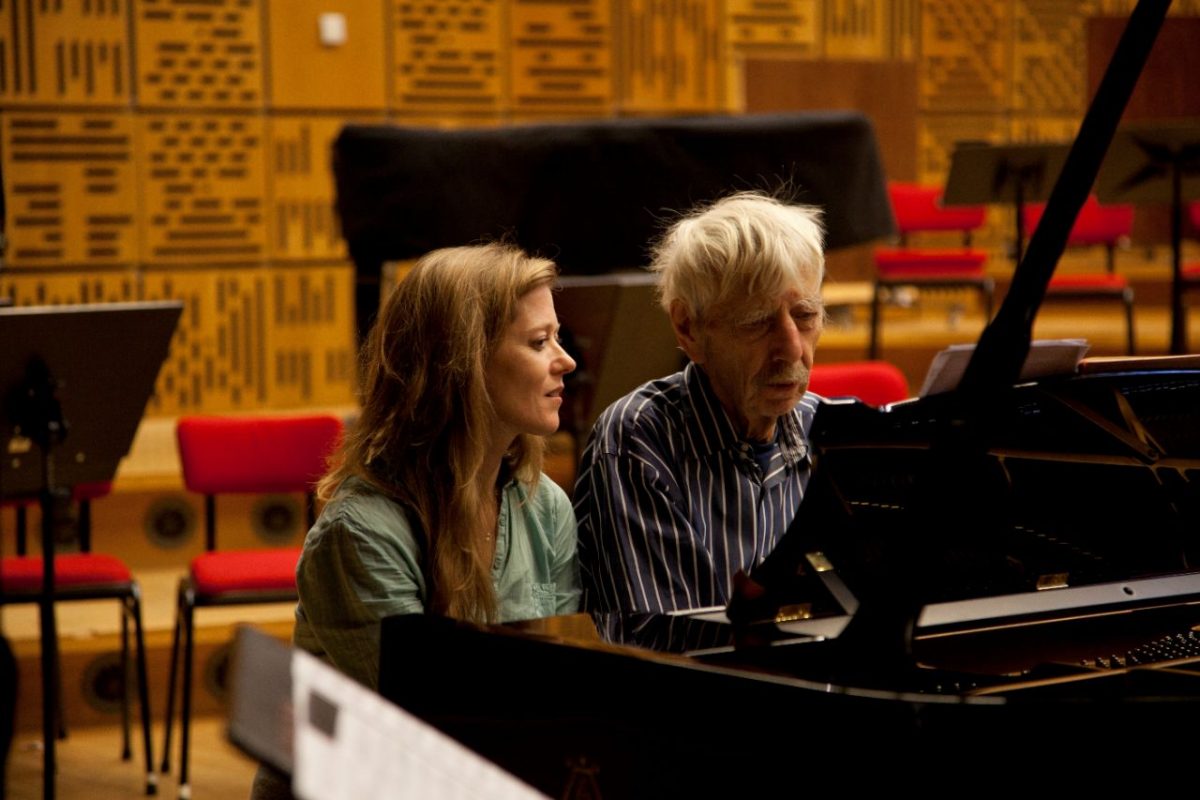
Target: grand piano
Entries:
(998, 583)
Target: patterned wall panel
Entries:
(310, 336)
(203, 189)
(1043, 128)
(938, 133)
(256, 338)
(302, 223)
(904, 29)
(193, 54)
(670, 56)
(61, 288)
(765, 24)
(448, 57)
(70, 189)
(1050, 55)
(965, 49)
(309, 73)
(65, 52)
(856, 28)
(561, 57)
(218, 359)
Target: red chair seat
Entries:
(21, 574)
(927, 265)
(1097, 282)
(874, 382)
(245, 571)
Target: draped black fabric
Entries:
(592, 195)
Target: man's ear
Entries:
(687, 332)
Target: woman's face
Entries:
(525, 374)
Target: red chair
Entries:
(1096, 224)
(875, 382)
(85, 576)
(239, 455)
(1190, 273)
(919, 210)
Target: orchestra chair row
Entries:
(1097, 224)
(876, 382)
(78, 577)
(918, 211)
(239, 455)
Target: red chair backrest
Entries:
(255, 454)
(874, 382)
(1096, 223)
(1193, 211)
(919, 208)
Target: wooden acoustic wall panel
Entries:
(1043, 128)
(203, 189)
(965, 46)
(938, 133)
(759, 25)
(857, 29)
(66, 52)
(561, 57)
(306, 73)
(70, 189)
(205, 53)
(310, 336)
(671, 56)
(303, 223)
(1050, 56)
(63, 288)
(256, 338)
(448, 58)
(218, 358)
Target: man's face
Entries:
(757, 355)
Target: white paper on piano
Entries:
(351, 743)
(1046, 357)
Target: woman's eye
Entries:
(540, 343)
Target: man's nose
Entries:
(787, 342)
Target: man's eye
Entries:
(753, 325)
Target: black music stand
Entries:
(1011, 173)
(74, 381)
(1157, 164)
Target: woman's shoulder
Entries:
(359, 509)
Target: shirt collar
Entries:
(711, 430)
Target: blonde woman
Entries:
(436, 502)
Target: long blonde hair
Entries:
(424, 429)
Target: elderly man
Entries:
(693, 477)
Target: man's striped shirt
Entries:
(671, 502)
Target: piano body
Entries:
(1000, 580)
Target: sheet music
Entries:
(1046, 357)
(351, 743)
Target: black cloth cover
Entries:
(592, 195)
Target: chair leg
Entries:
(60, 717)
(173, 674)
(134, 604)
(873, 340)
(126, 749)
(1130, 335)
(185, 716)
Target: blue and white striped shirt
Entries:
(671, 502)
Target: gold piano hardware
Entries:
(794, 612)
(1056, 580)
(818, 561)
